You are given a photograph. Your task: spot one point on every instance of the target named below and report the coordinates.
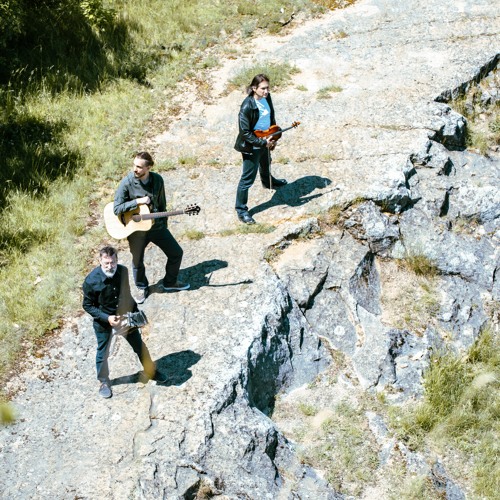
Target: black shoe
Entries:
(175, 287)
(276, 183)
(246, 219)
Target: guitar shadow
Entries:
(294, 194)
(175, 366)
(199, 276)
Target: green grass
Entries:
(273, 252)
(332, 216)
(461, 409)
(70, 127)
(410, 486)
(420, 264)
(194, 234)
(7, 414)
(345, 449)
(326, 92)
(414, 304)
(335, 4)
(248, 229)
(478, 138)
(341, 34)
(280, 75)
(188, 161)
(483, 121)
(307, 409)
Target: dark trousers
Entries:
(103, 345)
(258, 160)
(163, 238)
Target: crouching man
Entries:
(106, 297)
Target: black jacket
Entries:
(247, 118)
(103, 296)
(131, 188)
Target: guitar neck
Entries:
(160, 215)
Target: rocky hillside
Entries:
(322, 309)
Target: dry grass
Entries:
(461, 410)
(409, 301)
(345, 449)
(483, 120)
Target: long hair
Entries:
(257, 79)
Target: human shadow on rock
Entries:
(174, 366)
(199, 275)
(294, 194)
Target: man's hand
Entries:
(145, 200)
(271, 143)
(114, 320)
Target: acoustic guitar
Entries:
(139, 219)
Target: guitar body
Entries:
(121, 226)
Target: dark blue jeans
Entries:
(163, 238)
(104, 337)
(258, 160)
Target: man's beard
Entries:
(110, 273)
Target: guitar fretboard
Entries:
(159, 215)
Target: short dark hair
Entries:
(108, 250)
(257, 79)
(144, 155)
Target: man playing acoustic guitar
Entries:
(141, 186)
(256, 113)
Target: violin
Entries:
(274, 131)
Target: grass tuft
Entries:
(7, 414)
(332, 216)
(307, 409)
(193, 234)
(280, 75)
(461, 408)
(420, 264)
(345, 450)
(249, 229)
(326, 92)
(483, 115)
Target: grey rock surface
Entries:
(385, 151)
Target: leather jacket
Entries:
(247, 118)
